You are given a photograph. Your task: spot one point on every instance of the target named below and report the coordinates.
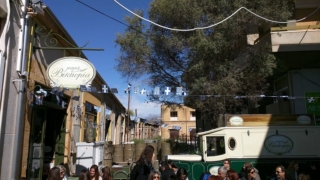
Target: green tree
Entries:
(214, 64)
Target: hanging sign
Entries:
(71, 72)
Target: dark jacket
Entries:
(140, 172)
(167, 173)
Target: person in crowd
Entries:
(165, 170)
(314, 173)
(84, 175)
(292, 171)
(143, 167)
(222, 173)
(213, 177)
(173, 166)
(94, 173)
(303, 176)
(280, 173)
(249, 173)
(63, 175)
(226, 164)
(54, 174)
(247, 164)
(182, 174)
(154, 175)
(106, 173)
(232, 175)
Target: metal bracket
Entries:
(51, 41)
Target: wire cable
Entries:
(206, 27)
(110, 17)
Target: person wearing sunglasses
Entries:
(226, 164)
(245, 165)
(249, 173)
(154, 175)
(280, 173)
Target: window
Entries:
(215, 146)
(174, 115)
(192, 115)
(232, 143)
(90, 123)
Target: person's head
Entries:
(280, 172)
(147, 154)
(84, 175)
(94, 172)
(232, 175)
(303, 176)
(213, 177)
(245, 165)
(172, 165)
(164, 165)
(154, 175)
(293, 166)
(62, 171)
(182, 174)
(106, 172)
(222, 172)
(226, 164)
(250, 172)
(54, 174)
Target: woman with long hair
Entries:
(232, 175)
(84, 175)
(144, 166)
(94, 173)
(154, 175)
(292, 169)
(63, 175)
(173, 166)
(249, 173)
(54, 174)
(106, 173)
(182, 174)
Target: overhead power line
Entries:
(111, 17)
(206, 27)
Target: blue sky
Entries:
(86, 25)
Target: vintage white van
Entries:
(265, 140)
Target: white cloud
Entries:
(144, 109)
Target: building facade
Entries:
(178, 122)
(41, 122)
(296, 45)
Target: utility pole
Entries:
(128, 114)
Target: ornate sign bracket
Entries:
(51, 41)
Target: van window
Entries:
(215, 146)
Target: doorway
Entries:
(47, 141)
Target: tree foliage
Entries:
(214, 64)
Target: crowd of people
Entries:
(248, 172)
(58, 173)
(168, 170)
(144, 170)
